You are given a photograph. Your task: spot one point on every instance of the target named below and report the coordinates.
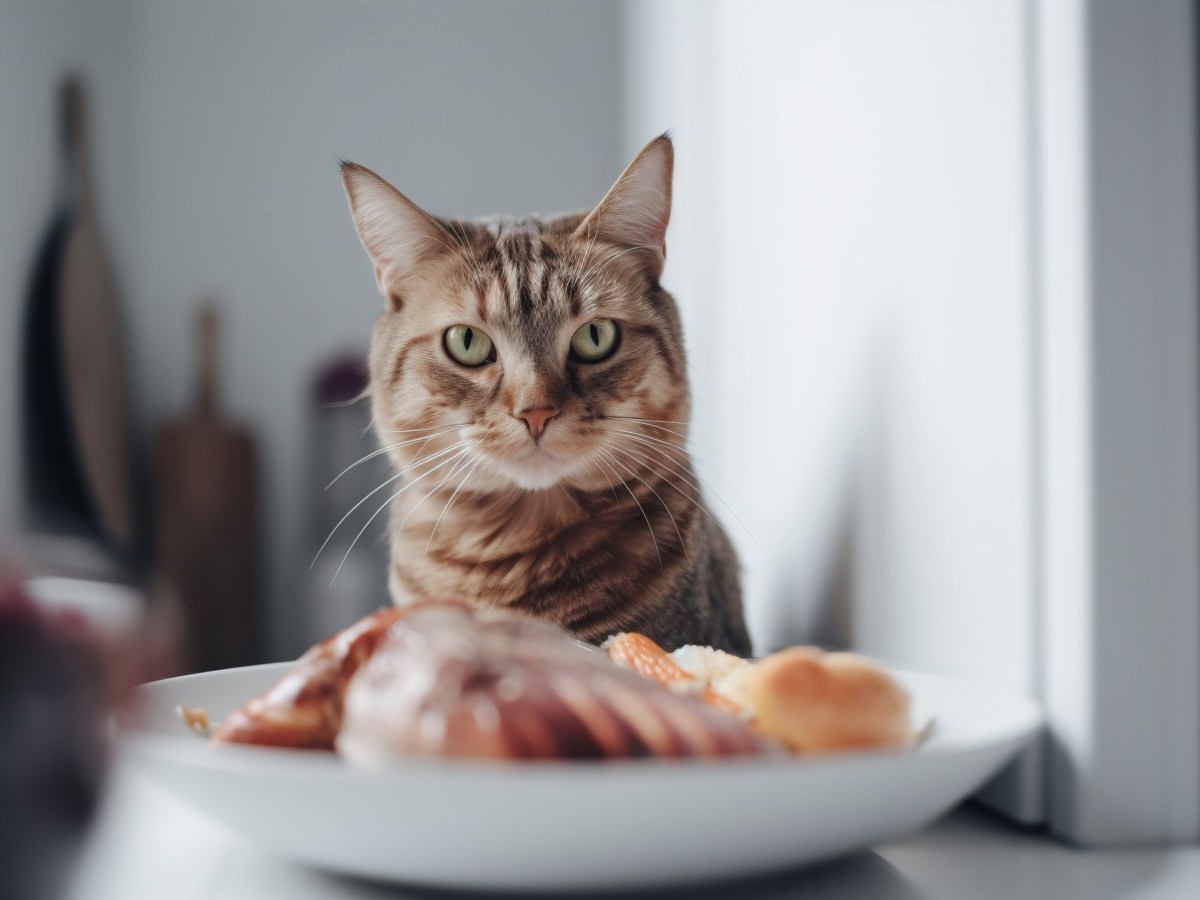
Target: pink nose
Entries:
(536, 419)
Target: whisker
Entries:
(433, 490)
(470, 471)
(663, 459)
(386, 504)
(591, 457)
(425, 428)
(381, 450)
(341, 404)
(678, 534)
(686, 454)
(687, 440)
(375, 491)
(649, 527)
(711, 490)
(567, 494)
(646, 423)
(651, 421)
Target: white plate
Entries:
(548, 825)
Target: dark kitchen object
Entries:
(206, 524)
(77, 452)
(53, 754)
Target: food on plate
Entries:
(810, 700)
(447, 680)
(304, 709)
(194, 719)
(642, 655)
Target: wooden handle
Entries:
(208, 323)
(73, 109)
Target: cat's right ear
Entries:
(398, 235)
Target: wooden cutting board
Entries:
(206, 522)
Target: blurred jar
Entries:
(70, 651)
(349, 577)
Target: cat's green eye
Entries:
(468, 345)
(595, 340)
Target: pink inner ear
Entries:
(637, 208)
(397, 234)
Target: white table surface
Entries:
(148, 846)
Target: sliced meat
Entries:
(304, 709)
(450, 681)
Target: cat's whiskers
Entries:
(678, 533)
(386, 449)
(701, 456)
(662, 458)
(567, 494)
(423, 428)
(649, 421)
(644, 439)
(475, 461)
(432, 491)
(376, 490)
(605, 455)
(591, 459)
(389, 501)
(687, 439)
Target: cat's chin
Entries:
(536, 472)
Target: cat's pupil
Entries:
(595, 334)
(468, 336)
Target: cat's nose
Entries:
(537, 418)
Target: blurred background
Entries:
(935, 260)
(852, 175)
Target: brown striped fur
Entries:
(598, 524)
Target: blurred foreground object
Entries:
(67, 650)
(347, 582)
(77, 459)
(206, 522)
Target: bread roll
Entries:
(817, 702)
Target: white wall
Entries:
(850, 246)
(232, 118)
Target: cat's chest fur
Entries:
(564, 555)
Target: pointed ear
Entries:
(635, 211)
(398, 235)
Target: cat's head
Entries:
(534, 344)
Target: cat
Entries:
(528, 381)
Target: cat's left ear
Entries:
(398, 235)
(637, 208)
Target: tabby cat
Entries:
(528, 381)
